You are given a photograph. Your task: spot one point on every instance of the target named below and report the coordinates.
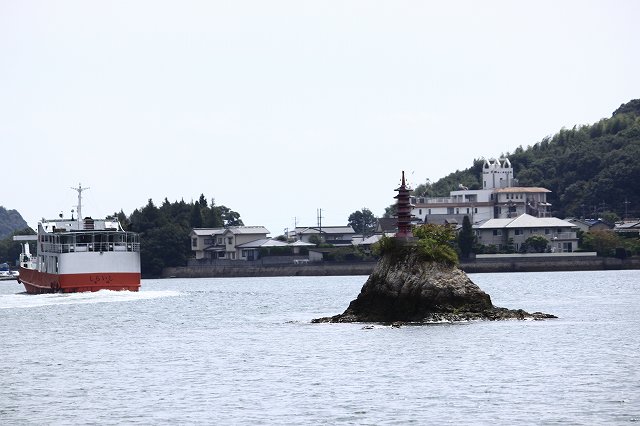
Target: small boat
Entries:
(76, 255)
(8, 275)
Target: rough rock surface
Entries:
(412, 290)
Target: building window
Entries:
(467, 210)
(429, 211)
(547, 231)
(457, 210)
(420, 212)
(518, 232)
(475, 210)
(497, 232)
(221, 255)
(220, 240)
(194, 242)
(230, 240)
(449, 210)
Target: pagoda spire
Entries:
(403, 210)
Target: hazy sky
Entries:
(278, 108)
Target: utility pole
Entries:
(320, 223)
(626, 207)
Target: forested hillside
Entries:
(592, 170)
(10, 221)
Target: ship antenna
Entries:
(79, 189)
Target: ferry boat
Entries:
(83, 254)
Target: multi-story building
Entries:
(500, 233)
(500, 197)
(225, 243)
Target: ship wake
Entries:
(24, 300)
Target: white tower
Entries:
(497, 174)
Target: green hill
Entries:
(592, 170)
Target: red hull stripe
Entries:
(41, 282)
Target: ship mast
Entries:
(79, 189)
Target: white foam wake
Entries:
(23, 300)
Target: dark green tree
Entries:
(466, 238)
(196, 215)
(536, 243)
(362, 221)
(603, 242)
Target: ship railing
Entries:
(91, 247)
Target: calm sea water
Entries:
(242, 351)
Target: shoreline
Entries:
(514, 263)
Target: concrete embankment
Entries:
(547, 263)
(310, 269)
(493, 264)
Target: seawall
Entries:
(309, 269)
(481, 265)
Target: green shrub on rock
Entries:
(435, 243)
(432, 243)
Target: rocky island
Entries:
(417, 280)
(410, 289)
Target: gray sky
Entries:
(278, 108)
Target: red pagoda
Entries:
(404, 210)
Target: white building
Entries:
(224, 243)
(336, 235)
(500, 197)
(560, 233)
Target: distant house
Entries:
(387, 225)
(336, 235)
(628, 227)
(224, 243)
(587, 225)
(560, 233)
(251, 250)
